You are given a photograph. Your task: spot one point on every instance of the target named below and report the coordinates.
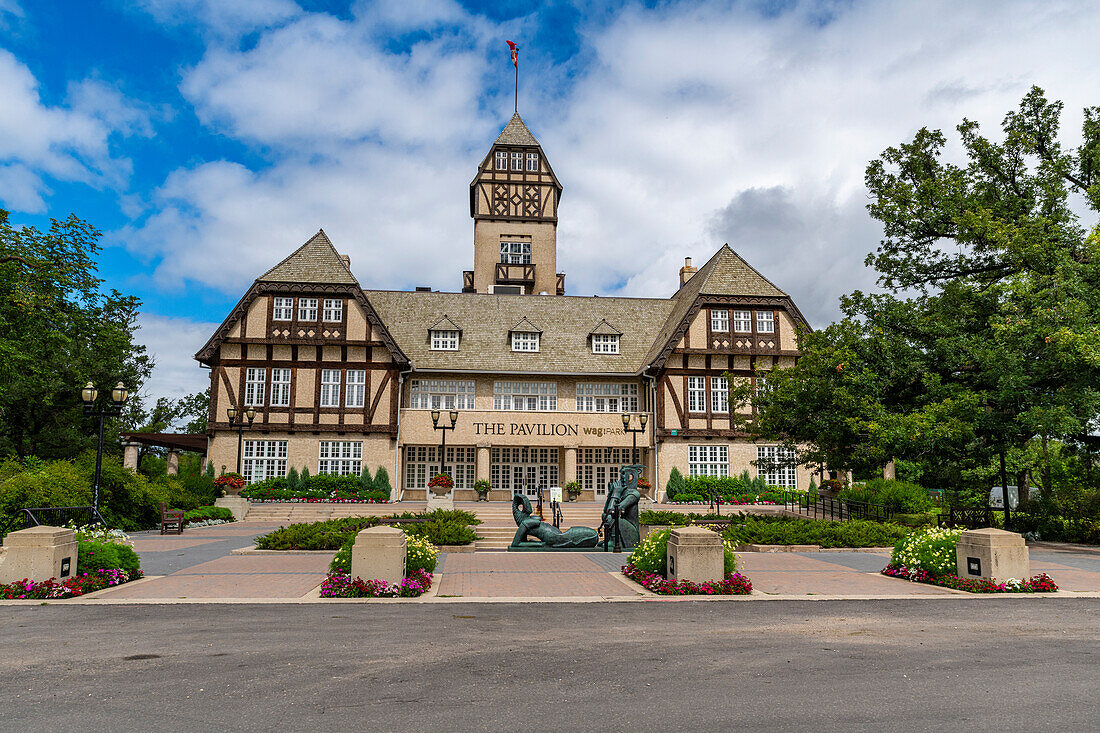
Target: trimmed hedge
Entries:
(322, 487)
(750, 530)
(208, 512)
(440, 527)
(97, 556)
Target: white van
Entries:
(997, 501)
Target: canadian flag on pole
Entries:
(515, 54)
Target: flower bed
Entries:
(76, 586)
(341, 585)
(734, 584)
(1041, 583)
(737, 501)
(316, 500)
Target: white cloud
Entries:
(221, 17)
(70, 143)
(687, 127)
(172, 342)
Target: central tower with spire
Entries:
(514, 204)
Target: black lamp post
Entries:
(118, 398)
(643, 418)
(444, 427)
(236, 418)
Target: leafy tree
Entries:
(988, 334)
(676, 483)
(382, 481)
(292, 479)
(57, 332)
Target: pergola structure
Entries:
(174, 442)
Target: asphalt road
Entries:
(1001, 664)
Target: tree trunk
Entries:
(1004, 490)
(1046, 466)
(1023, 486)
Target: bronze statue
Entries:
(619, 523)
(620, 509)
(551, 537)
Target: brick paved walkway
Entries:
(199, 565)
(530, 574)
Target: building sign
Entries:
(542, 429)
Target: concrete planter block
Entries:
(992, 554)
(236, 504)
(439, 502)
(695, 554)
(379, 554)
(38, 554)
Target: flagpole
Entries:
(516, 110)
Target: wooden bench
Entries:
(171, 520)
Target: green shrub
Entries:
(676, 484)
(291, 479)
(208, 512)
(897, 496)
(366, 482)
(106, 556)
(758, 530)
(382, 483)
(931, 550)
(666, 518)
(440, 527)
(1055, 528)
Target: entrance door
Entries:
(531, 482)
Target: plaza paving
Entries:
(199, 565)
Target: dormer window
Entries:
(765, 321)
(283, 309)
(517, 161)
(719, 320)
(605, 343)
(524, 341)
(502, 160)
(444, 335)
(445, 340)
(533, 162)
(307, 309)
(334, 309)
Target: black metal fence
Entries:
(969, 517)
(822, 507)
(52, 516)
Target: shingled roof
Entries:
(516, 133)
(487, 318)
(316, 261)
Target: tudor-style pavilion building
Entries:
(342, 377)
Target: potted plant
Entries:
(482, 487)
(644, 486)
(573, 490)
(230, 482)
(441, 484)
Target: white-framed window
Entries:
(719, 394)
(283, 309)
(441, 394)
(532, 396)
(307, 309)
(444, 340)
(765, 321)
(761, 384)
(598, 467)
(719, 320)
(524, 341)
(254, 386)
(697, 394)
(777, 465)
(742, 321)
(330, 388)
(280, 387)
(532, 161)
(606, 397)
(605, 343)
(342, 457)
(517, 161)
(355, 391)
(515, 253)
(502, 160)
(263, 459)
(523, 469)
(422, 462)
(708, 460)
(334, 309)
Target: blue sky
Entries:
(208, 138)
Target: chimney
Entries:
(687, 271)
(346, 260)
